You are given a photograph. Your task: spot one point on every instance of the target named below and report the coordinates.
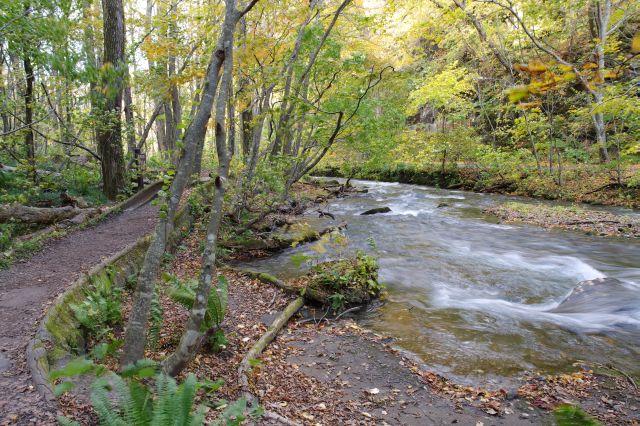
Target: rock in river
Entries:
(376, 211)
(601, 295)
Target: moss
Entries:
(263, 276)
(63, 326)
(347, 282)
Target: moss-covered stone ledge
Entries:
(59, 337)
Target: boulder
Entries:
(376, 211)
(601, 295)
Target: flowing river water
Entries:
(472, 297)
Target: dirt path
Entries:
(26, 288)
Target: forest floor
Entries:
(313, 373)
(334, 372)
(575, 218)
(27, 288)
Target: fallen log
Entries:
(256, 350)
(41, 216)
(308, 292)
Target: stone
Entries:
(600, 295)
(376, 211)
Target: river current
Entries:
(472, 297)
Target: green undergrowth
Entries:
(142, 395)
(572, 415)
(347, 282)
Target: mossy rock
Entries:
(345, 283)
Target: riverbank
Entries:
(582, 185)
(333, 372)
(315, 372)
(574, 218)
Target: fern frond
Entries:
(107, 413)
(157, 314)
(187, 395)
(183, 294)
(217, 304)
(63, 421)
(165, 404)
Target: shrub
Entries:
(142, 396)
(101, 309)
(347, 282)
(184, 292)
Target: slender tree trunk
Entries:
(109, 133)
(533, 143)
(136, 332)
(4, 94)
(88, 42)
(192, 337)
(29, 76)
(602, 18)
(29, 140)
(246, 118)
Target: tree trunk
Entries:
(603, 15)
(136, 332)
(192, 337)
(109, 133)
(246, 118)
(128, 116)
(29, 140)
(88, 42)
(600, 129)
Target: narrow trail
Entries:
(26, 288)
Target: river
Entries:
(471, 297)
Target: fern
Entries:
(131, 399)
(101, 308)
(185, 294)
(157, 314)
(217, 305)
(67, 422)
(187, 398)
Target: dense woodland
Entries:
(244, 99)
(502, 96)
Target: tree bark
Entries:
(36, 215)
(192, 337)
(136, 332)
(109, 132)
(602, 18)
(29, 139)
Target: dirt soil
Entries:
(574, 218)
(27, 288)
(338, 375)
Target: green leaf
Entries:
(76, 367)
(67, 422)
(63, 387)
(299, 259)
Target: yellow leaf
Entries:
(518, 93)
(635, 43)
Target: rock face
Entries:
(376, 211)
(601, 295)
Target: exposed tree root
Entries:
(309, 293)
